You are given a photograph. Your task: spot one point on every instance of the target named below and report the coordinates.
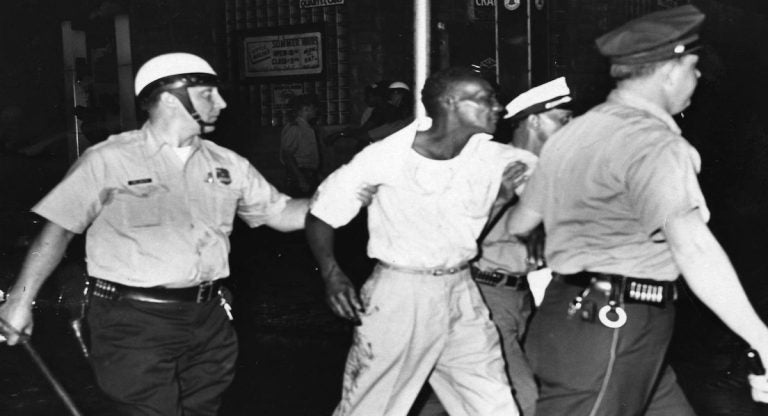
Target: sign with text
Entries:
(283, 55)
(305, 4)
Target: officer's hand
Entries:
(514, 174)
(535, 246)
(365, 194)
(19, 317)
(342, 297)
(759, 386)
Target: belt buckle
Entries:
(204, 291)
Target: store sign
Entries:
(283, 55)
(306, 4)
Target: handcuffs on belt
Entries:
(606, 314)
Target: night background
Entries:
(292, 348)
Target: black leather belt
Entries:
(516, 280)
(201, 293)
(633, 290)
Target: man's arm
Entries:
(339, 291)
(44, 255)
(291, 218)
(712, 278)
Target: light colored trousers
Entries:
(418, 328)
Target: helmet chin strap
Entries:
(183, 96)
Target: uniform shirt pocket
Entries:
(142, 207)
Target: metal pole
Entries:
(529, 74)
(421, 24)
(125, 72)
(73, 135)
(6, 328)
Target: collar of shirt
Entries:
(408, 135)
(154, 143)
(634, 100)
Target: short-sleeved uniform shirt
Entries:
(298, 138)
(606, 183)
(153, 220)
(426, 213)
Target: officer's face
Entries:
(683, 78)
(552, 120)
(477, 106)
(207, 101)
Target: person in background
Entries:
(624, 217)
(299, 149)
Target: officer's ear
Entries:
(167, 99)
(666, 69)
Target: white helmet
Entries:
(174, 73)
(170, 67)
(399, 85)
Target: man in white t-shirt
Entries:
(420, 316)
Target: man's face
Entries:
(309, 112)
(476, 105)
(208, 102)
(683, 78)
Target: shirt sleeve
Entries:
(336, 201)
(261, 201)
(76, 201)
(662, 183)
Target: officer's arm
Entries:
(291, 218)
(339, 291)
(712, 278)
(44, 255)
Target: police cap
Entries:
(654, 37)
(539, 99)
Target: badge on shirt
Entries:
(223, 176)
(139, 181)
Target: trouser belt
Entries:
(438, 271)
(516, 280)
(627, 289)
(201, 293)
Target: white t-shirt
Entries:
(426, 213)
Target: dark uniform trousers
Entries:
(588, 369)
(162, 358)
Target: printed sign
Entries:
(283, 55)
(305, 4)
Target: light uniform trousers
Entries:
(419, 327)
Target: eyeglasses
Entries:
(489, 100)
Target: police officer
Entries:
(502, 269)
(624, 216)
(158, 206)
